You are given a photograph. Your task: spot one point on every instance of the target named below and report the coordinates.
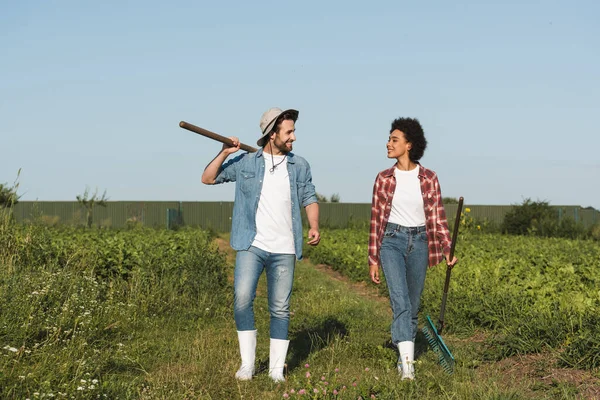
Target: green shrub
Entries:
(531, 214)
(594, 231)
(538, 218)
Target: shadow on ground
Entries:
(421, 345)
(310, 339)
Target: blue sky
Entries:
(91, 93)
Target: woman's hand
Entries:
(451, 263)
(374, 272)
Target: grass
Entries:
(66, 332)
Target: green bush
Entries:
(521, 218)
(538, 218)
(594, 232)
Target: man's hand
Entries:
(212, 169)
(231, 149)
(314, 237)
(374, 272)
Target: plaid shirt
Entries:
(436, 225)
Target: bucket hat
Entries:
(268, 120)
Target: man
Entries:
(271, 186)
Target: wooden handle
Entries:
(449, 269)
(214, 136)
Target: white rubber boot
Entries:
(277, 355)
(407, 354)
(247, 341)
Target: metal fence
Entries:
(217, 215)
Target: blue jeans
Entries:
(404, 258)
(249, 265)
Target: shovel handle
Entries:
(449, 269)
(214, 136)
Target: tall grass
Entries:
(84, 311)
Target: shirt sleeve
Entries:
(443, 231)
(310, 193)
(228, 171)
(374, 226)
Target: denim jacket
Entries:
(248, 170)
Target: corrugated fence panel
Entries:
(494, 214)
(217, 215)
(148, 213)
(589, 217)
(336, 215)
(208, 215)
(115, 214)
(62, 211)
(155, 212)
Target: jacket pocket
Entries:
(247, 181)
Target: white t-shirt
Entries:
(407, 205)
(274, 214)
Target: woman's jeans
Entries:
(249, 265)
(404, 257)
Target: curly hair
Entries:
(413, 133)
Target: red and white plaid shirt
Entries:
(436, 224)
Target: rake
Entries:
(431, 332)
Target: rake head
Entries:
(445, 358)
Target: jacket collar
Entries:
(423, 172)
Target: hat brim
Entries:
(263, 139)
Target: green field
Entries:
(147, 314)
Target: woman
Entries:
(409, 232)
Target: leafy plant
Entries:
(8, 194)
(538, 218)
(531, 293)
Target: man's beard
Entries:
(282, 147)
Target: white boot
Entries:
(247, 341)
(277, 355)
(407, 355)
